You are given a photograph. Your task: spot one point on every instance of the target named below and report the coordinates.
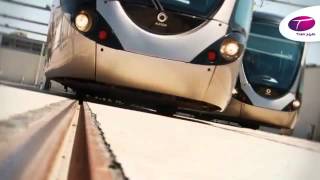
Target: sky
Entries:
(44, 16)
(27, 13)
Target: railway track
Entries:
(60, 141)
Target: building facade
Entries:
(20, 59)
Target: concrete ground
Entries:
(154, 147)
(13, 101)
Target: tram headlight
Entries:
(83, 22)
(296, 104)
(235, 92)
(231, 49)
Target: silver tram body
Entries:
(177, 52)
(270, 82)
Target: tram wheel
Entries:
(249, 125)
(286, 131)
(166, 110)
(80, 97)
(47, 85)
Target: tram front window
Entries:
(195, 7)
(271, 60)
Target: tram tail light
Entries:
(212, 56)
(103, 35)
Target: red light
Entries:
(103, 35)
(212, 56)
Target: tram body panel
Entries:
(237, 109)
(172, 47)
(269, 116)
(152, 74)
(70, 53)
(258, 100)
(224, 14)
(220, 87)
(74, 58)
(233, 109)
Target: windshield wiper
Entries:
(154, 4)
(160, 5)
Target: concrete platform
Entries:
(154, 147)
(14, 101)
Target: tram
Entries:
(269, 89)
(168, 54)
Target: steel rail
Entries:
(28, 155)
(91, 158)
(63, 143)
